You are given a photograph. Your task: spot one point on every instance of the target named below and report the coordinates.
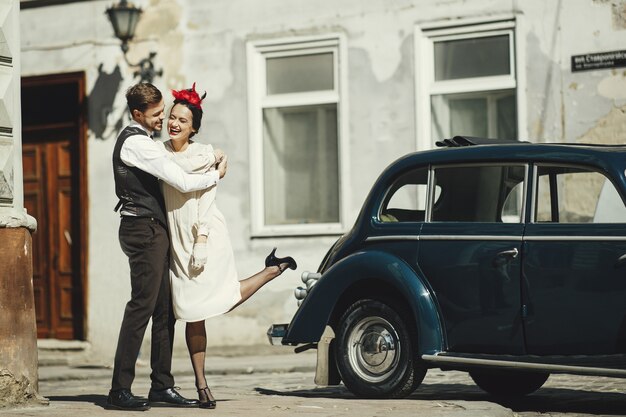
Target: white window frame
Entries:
(257, 53)
(426, 34)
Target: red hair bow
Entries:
(190, 96)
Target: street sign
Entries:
(599, 60)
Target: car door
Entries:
(469, 251)
(574, 265)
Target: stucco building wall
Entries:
(206, 42)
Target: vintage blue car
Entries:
(503, 259)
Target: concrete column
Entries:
(18, 332)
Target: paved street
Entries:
(282, 385)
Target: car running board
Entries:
(447, 360)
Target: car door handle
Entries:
(511, 253)
(502, 258)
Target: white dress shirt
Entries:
(143, 152)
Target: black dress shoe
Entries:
(123, 399)
(170, 396)
(272, 260)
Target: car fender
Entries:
(309, 321)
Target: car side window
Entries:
(576, 195)
(480, 193)
(405, 200)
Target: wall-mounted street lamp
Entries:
(124, 17)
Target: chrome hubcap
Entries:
(373, 349)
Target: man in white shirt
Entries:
(138, 165)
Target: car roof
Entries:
(460, 141)
(481, 149)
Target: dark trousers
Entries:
(146, 244)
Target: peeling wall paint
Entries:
(619, 14)
(614, 86)
(610, 129)
(163, 20)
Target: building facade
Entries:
(310, 100)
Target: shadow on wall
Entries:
(100, 102)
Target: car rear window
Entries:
(405, 200)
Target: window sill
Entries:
(312, 230)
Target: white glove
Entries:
(199, 255)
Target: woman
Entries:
(203, 277)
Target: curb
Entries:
(215, 365)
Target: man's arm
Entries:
(142, 152)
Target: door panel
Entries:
(65, 272)
(64, 236)
(575, 290)
(33, 158)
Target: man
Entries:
(138, 165)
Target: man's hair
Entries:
(142, 95)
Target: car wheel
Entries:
(509, 383)
(375, 352)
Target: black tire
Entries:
(375, 352)
(508, 383)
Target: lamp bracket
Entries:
(146, 70)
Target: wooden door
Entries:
(54, 169)
(47, 197)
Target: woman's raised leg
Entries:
(252, 284)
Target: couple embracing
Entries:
(181, 261)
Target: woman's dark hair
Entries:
(142, 95)
(190, 99)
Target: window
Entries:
(296, 131)
(466, 82)
(576, 195)
(406, 199)
(489, 193)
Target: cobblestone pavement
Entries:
(274, 387)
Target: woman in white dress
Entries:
(203, 276)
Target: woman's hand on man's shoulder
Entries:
(222, 166)
(219, 155)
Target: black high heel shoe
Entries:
(209, 403)
(272, 260)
